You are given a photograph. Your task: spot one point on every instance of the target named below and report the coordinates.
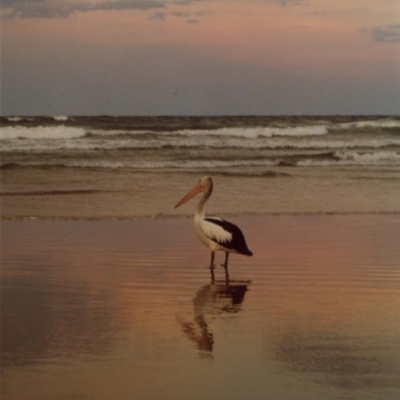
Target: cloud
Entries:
(187, 16)
(159, 15)
(285, 3)
(180, 14)
(65, 8)
(202, 13)
(387, 34)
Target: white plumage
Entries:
(214, 233)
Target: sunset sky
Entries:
(197, 57)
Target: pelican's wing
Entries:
(214, 229)
(226, 234)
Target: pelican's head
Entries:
(205, 184)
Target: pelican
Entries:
(216, 233)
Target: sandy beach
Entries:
(126, 309)
(98, 193)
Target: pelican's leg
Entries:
(212, 276)
(225, 265)
(212, 260)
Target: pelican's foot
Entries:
(225, 264)
(212, 274)
(227, 277)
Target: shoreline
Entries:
(58, 194)
(189, 216)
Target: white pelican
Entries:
(216, 233)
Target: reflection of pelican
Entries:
(212, 300)
(216, 233)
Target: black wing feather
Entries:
(238, 242)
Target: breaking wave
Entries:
(61, 118)
(256, 132)
(41, 132)
(184, 143)
(381, 123)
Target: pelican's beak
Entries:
(197, 189)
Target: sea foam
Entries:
(372, 124)
(353, 158)
(256, 132)
(368, 158)
(41, 132)
(61, 118)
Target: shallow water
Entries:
(127, 310)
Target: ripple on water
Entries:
(314, 313)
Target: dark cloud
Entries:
(285, 3)
(64, 8)
(202, 13)
(187, 16)
(159, 15)
(180, 14)
(387, 34)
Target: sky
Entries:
(199, 57)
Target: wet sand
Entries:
(97, 194)
(127, 310)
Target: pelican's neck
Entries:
(200, 206)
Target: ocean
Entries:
(199, 143)
(93, 155)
